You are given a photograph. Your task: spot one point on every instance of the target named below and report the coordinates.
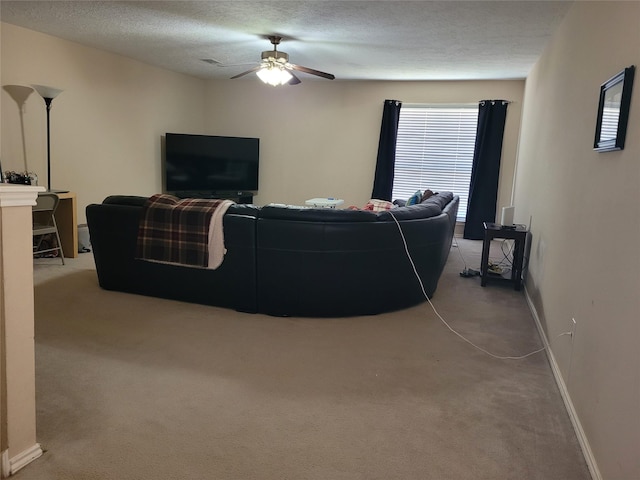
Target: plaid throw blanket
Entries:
(182, 231)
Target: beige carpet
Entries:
(132, 387)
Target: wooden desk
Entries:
(67, 220)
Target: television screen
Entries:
(206, 163)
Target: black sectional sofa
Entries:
(288, 261)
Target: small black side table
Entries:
(519, 234)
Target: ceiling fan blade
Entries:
(254, 69)
(312, 71)
(216, 63)
(294, 80)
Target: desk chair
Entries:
(44, 223)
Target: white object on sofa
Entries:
(324, 202)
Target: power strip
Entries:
(469, 272)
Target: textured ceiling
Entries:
(354, 40)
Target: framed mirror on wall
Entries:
(613, 111)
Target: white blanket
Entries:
(216, 235)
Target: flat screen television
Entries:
(210, 164)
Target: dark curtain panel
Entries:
(483, 190)
(383, 181)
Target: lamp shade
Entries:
(47, 92)
(274, 75)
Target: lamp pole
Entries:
(48, 101)
(48, 94)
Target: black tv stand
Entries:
(238, 197)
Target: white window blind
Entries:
(610, 118)
(434, 150)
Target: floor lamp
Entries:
(48, 94)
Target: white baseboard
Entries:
(24, 458)
(5, 468)
(564, 392)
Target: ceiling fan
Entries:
(275, 69)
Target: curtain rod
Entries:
(493, 102)
(442, 105)
(453, 105)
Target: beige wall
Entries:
(584, 209)
(107, 124)
(320, 138)
(317, 139)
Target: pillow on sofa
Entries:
(427, 194)
(415, 198)
(440, 199)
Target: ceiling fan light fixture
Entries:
(274, 75)
(275, 56)
(275, 69)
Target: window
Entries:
(434, 150)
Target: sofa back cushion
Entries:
(130, 200)
(431, 207)
(113, 226)
(138, 201)
(316, 214)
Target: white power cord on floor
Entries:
(454, 241)
(415, 271)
